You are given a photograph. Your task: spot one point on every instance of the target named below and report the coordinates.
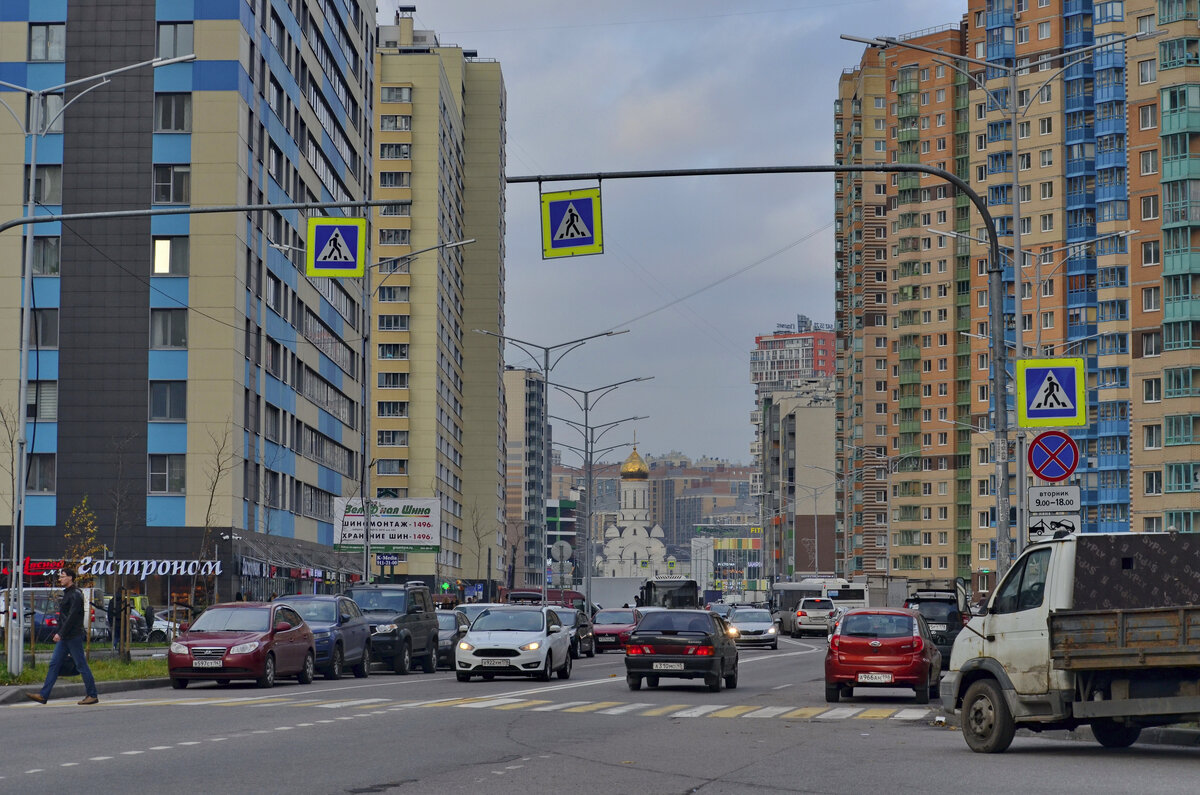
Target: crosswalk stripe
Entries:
(491, 702)
(256, 703)
(696, 712)
(805, 712)
(768, 712)
(910, 714)
(527, 703)
(663, 710)
(841, 713)
(556, 707)
(878, 712)
(621, 710)
(593, 707)
(343, 704)
(452, 702)
(733, 712)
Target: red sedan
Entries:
(243, 640)
(608, 626)
(881, 647)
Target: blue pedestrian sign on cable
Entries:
(571, 223)
(336, 247)
(1051, 393)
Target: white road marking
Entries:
(357, 703)
(564, 705)
(161, 747)
(99, 758)
(284, 728)
(780, 687)
(621, 710)
(36, 769)
(492, 702)
(767, 712)
(131, 753)
(189, 742)
(217, 739)
(304, 724)
(839, 713)
(513, 767)
(68, 764)
(910, 714)
(696, 712)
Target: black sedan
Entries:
(450, 632)
(682, 644)
(583, 639)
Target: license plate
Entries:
(667, 666)
(206, 663)
(490, 663)
(875, 679)
(937, 627)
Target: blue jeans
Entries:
(74, 647)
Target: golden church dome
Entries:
(634, 467)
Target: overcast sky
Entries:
(693, 267)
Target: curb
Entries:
(1155, 735)
(15, 694)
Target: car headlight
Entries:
(771, 631)
(383, 629)
(178, 648)
(244, 648)
(733, 632)
(465, 646)
(534, 646)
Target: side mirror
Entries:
(554, 628)
(282, 626)
(184, 626)
(463, 627)
(412, 609)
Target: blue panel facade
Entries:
(166, 511)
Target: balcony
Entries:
(1111, 193)
(1110, 92)
(907, 110)
(907, 86)
(1180, 168)
(910, 352)
(1177, 121)
(1080, 166)
(1181, 309)
(1111, 125)
(1078, 102)
(907, 135)
(1114, 158)
(1080, 133)
(1110, 58)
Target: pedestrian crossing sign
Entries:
(571, 223)
(1051, 393)
(336, 247)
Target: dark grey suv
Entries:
(403, 624)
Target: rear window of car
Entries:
(818, 604)
(614, 617)
(671, 621)
(877, 625)
(937, 611)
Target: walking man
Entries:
(116, 611)
(69, 640)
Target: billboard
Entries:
(396, 525)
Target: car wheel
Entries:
(987, 725)
(268, 677)
(179, 684)
(591, 652)
(429, 661)
(731, 680)
(402, 662)
(223, 682)
(573, 653)
(832, 693)
(714, 680)
(651, 682)
(565, 671)
(363, 669)
(1111, 734)
(775, 646)
(460, 676)
(544, 674)
(334, 671)
(158, 636)
(634, 682)
(305, 677)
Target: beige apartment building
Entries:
(437, 412)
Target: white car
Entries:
(513, 640)
(813, 615)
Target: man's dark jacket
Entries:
(70, 613)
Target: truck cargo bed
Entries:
(1097, 640)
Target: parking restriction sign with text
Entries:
(1053, 456)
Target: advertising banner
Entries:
(396, 525)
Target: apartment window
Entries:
(50, 113)
(44, 328)
(1043, 31)
(393, 350)
(1152, 437)
(398, 210)
(395, 179)
(172, 184)
(168, 401)
(46, 256)
(1047, 157)
(1048, 222)
(390, 295)
(1151, 249)
(40, 477)
(1024, 161)
(391, 438)
(47, 187)
(1152, 482)
(1152, 390)
(174, 39)
(167, 474)
(172, 112)
(1148, 117)
(168, 328)
(392, 408)
(1045, 126)
(395, 93)
(1023, 35)
(1149, 207)
(48, 42)
(393, 322)
(1149, 160)
(1023, 129)
(394, 237)
(41, 400)
(1047, 320)
(171, 257)
(393, 380)
(395, 151)
(391, 466)
(1146, 71)
(1150, 299)
(1025, 192)
(395, 123)
(1152, 343)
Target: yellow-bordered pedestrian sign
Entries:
(336, 247)
(1051, 393)
(571, 223)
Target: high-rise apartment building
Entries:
(525, 497)
(437, 397)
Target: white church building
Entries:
(632, 548)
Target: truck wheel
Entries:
(987, 725)
(1111, 734)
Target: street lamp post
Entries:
(36, 128)
(547, 366)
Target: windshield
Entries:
(234, 619)
(391, 601)
(671, 621)
(509, 621)
(614, 617)
(817, 604)
(447, 622)
(877, 625)
(322, 612)
(472, 611)
(751, 616)
(938, 612)
(569, 618)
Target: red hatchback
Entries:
(243, 640)
(881, 647)
(609, 625)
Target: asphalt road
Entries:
(427, 733)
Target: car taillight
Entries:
(918, 644)
(800, 613)
(835, 642)
(51, 621)
(701, 651)
(966, 618)
(636, 650)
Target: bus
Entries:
(670, 591)
(786, 597)
(533, 596)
